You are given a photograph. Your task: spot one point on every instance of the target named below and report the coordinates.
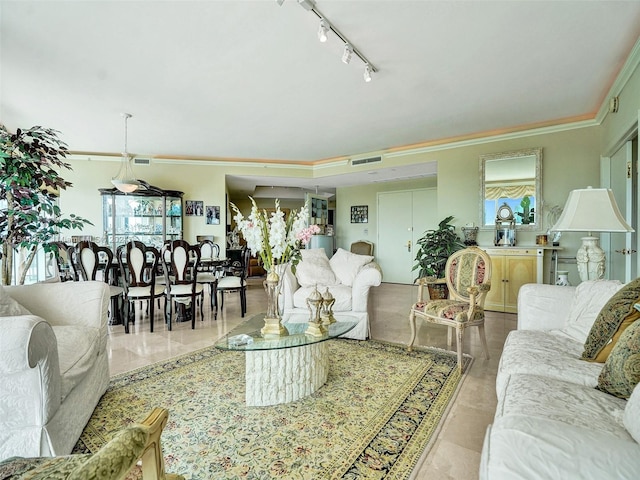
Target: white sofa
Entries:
(53, 364)
(551, 422)
(348, 276)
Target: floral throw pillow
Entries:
(621, 372)
(610, 318)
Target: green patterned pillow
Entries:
(621, 372)
(610, 318)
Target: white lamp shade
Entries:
(591, 210)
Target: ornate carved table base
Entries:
(286, 374)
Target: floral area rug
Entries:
(374, 418)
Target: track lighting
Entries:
(367, 73)
(323, 35)
(322, 31)
(346, 55)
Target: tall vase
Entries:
(272, 321)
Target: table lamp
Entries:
(591, 210)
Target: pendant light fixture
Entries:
(125, 180)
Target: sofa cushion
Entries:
(314, 269)
(610, 318)
(346, 265)
(572, 404)
(522, 447)
(9, 307)
(548, 353)
(621, 372)
(587, 302)
(341, 293)
(78, 348)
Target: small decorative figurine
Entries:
(314, 302)
(327, 308)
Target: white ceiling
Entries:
(249, 79)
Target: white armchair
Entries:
(348, 276)
(53, 364)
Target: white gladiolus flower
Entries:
(277, 240)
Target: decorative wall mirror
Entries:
(514, 178)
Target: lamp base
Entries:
(591, 259)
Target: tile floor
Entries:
(456, 452)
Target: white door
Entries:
(402, 219)
(622, 261)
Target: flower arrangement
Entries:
(275, 239)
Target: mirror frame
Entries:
(515, 154)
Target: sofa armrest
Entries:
(544, 307)
(370, 275)
(29, 373)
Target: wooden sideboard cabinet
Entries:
(512, 268)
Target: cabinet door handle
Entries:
(625, 251)
(409, 246)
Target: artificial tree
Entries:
(30, 161)
(435, 247)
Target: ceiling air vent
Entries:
(142, 161)
(363, 161)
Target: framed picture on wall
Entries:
(318, 210)
(360, 214)
(194, 208)
(213, 215)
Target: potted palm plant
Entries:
(435, 247)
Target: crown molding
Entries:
(628, 69)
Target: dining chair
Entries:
(95, 262)
(208, 270)
(180, 263)
(138, 263)
(61, 254)
(468, 278)
(236, 280)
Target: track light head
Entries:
(346, 55)
(306, 4)
(322, 31)
(367, 73)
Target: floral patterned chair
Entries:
(468, 278)
(117, 459)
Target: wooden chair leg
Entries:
(460, 343)
(483, 339)
(127, 307)
(151, 305)
(412, 324)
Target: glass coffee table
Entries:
(282, 369)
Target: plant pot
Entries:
(438, 291)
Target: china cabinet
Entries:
(151, 215)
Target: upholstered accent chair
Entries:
(468, 278)
(116, 460)
(362, 247)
